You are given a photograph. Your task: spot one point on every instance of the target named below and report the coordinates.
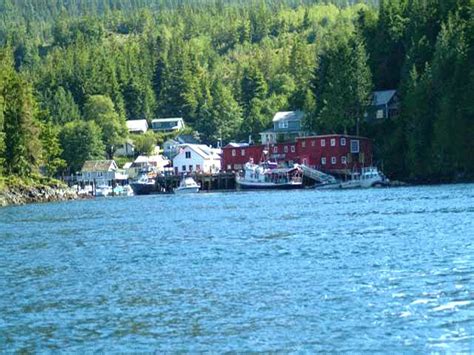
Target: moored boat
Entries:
(145, 185)
(186, 186)
(267, 176)
(368, 177)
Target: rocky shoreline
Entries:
(20, 195)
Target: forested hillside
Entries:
(72, 72)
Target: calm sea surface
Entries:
(374, 270)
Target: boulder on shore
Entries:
(20, 195)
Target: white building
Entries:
(197, 158)
(167, 124)
(137, 126)
(100, 172)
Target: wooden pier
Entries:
(208, 182)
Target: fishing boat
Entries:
(367, 177)
(266, 175)
(186, 186)
(146, 183)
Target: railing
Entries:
(318, 175)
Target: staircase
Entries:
(317, 175)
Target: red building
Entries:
(334, 153)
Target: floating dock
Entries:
(208, 182)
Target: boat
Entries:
(266, 176)
(145, 184)
(187, 185)
(103, 191)
(368, 177)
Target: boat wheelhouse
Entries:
(267, 176)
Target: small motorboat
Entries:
(186, 186)
(368, 177)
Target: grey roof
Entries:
(186, 138)
(98, 165)
(288, 115)
(383, 97)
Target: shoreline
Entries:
(22, 195)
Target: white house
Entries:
(137, 126)
(171, 146)
(197, 158)
(100, 172)
(167, 124)
(126, 150)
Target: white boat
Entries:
(368, 177)
(103, 191)
(186, 186)
(267, 176)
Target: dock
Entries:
(208, 182)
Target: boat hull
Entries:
(143, 189)
(268, 186)
(186, 190)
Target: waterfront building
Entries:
(171, 146)
(100, 173)
(197, 158)
(334, 153)
(126, 149)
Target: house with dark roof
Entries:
(167, 124)
(385, 104)
(287, 125)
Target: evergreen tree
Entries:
(100, 109)
(81, 141)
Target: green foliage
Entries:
(81, 141)
(227, 66)
(342, 85)
(145, 143)
(51, 159)
(100, 109)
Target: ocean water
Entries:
(381, 270)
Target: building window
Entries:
(188, 155)
(293, 149)
(333, 142)
(323, 161)
(303, 144)
(313, 143)
(229, 166)
(183, 168)
(190, 168)
(323, 142)
(343, 142)
(283, 124)
(242, 152)
(343, 160)
(275, 149)
(234, 153)
(285, 149)
(305, 161)
(355, 146)
(333, 160)
(379, 114)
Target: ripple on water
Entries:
(302, 271)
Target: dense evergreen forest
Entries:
(72, 72)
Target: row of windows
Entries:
(334, 160)
(343, 142)
(191, 168)
(332, 142)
